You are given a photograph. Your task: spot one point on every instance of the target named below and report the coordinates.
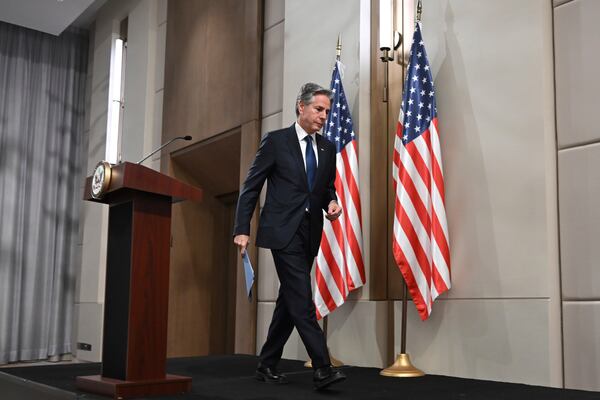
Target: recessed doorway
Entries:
(202, 287)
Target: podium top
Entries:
(135, 177)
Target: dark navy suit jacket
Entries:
(279, 161)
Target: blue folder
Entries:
(249, 273)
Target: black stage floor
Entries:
(232, 377)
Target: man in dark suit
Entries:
(299, 167)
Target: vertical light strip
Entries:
(114, 103)
(385, 24)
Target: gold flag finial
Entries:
(338, 48)
(419, 10)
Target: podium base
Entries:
(118, 389)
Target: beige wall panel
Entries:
(294, 349)
(576, 38)
(161, 43)
(357, 333)
(272, 83)
(97, 139)
(199, 62)
(83, 168)
(309, 54)
(272, 92)
(271, 123)
(98, 103)
(497, 133)
(94, 220)
(74, 328)
(89, 330)
(556, 3)
(161, 15)
(93, 261)
(80, 225)
(184, 104)
(157, 126)
(100, 67)
(221, 39)
(246, 312)
(190, 300)
(582, 345)
(501, 340)
(112, 13)
(274, 12)
(268, 283)
(93, 253)
(579, 190)
(251, 62)
(154, 164)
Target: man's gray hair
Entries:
(307, 93)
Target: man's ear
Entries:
(300, 107)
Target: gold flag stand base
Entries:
(334, 362)
(402, 368)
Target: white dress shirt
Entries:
(301, 135)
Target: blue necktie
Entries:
(311, 162)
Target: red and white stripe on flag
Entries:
(339, 267)
(420, 235)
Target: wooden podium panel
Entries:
(137, 284)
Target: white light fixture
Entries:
(385, 24)
(114, 103)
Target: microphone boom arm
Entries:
(188, 137)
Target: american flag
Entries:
(420, 238)
(340, 267)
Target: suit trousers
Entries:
(294, 306)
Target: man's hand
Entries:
(242, 242)
(333, 211)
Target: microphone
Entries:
(187, 137)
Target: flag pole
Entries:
(334, 361)
(402, 366)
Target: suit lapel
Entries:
(296, 153)
(323, 157)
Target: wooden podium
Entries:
(136, 302)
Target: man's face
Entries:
(313, 116)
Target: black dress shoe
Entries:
(269, 375)
(327, 376)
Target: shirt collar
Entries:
(302, 133)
